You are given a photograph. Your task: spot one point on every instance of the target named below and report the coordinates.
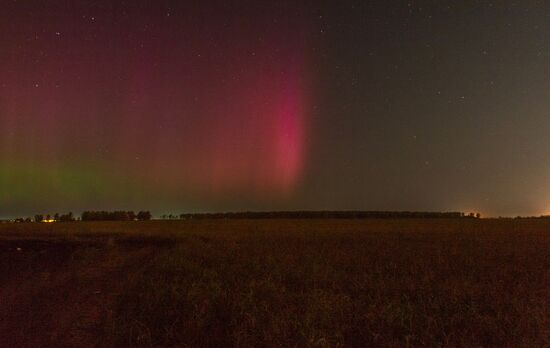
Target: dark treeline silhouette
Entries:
(48, 218)
(146, 215)
(115, 216)
(169, 217)
(328, 215)
(65, 218)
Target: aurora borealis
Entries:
(107, 105)
(192, 106)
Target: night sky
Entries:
(181, 106)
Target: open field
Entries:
(396, 283)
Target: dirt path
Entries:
(61, 296)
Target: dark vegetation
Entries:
(115, 216)
(90, 216)
(329, 215)
(282, 282)
(40, 218)
(146, 215)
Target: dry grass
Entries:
(450, 283)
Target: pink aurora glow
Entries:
(221, 111)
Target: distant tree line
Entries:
(23, 220)
(146, 215)
(329, 215)
(48, 218)
(56, 217)
(89, 216)
(115, 216)
(170, 217)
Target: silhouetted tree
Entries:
(38, 218)
(66, 217)
(144, 215)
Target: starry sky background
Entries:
(178, 106)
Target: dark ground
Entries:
(437, 282)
